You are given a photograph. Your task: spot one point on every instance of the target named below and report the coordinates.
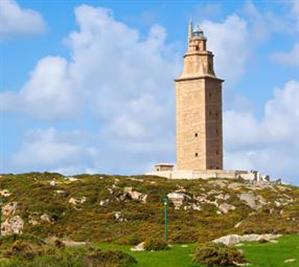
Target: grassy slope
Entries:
(90, 221)
(259, 255)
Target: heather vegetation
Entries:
(128, 210)
(212, 254)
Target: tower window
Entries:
(217, 152)
(196, 155)
(210, 94)
(196, 135)
(196, 48)
(216, 131)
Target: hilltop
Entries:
(128, 209)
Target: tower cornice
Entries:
(194, 77)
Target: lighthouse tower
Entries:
(198, 108)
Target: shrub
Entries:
(109, 258)
(22, 249)
(155, 244)
(213, 254)
(134, 240)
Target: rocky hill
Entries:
(128, 209)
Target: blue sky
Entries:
(87, 86)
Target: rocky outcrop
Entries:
(46, 218)
(13, 225)
(75, 201)
(135, 195)
(139, 247)
(177, 199)
(253, 201)
(5, 193)
(104, 202)
(118, 216)
(225, 208)
(231, 240)
(9, 209)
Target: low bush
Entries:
(18, 251)
(212, 254)
(155, 244)
(22, 249)
(134, 240)
(108, 258)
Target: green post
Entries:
(165, 202)
(0, 215)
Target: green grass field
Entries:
(258, 254)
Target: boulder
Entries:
(177, 199)
(118, 216)
(231, 240)
(52, 183)
(225, 208)
(193, 206)
(46, 218)
(75, 201)
(254, 202)
(9, 209)
(139, 247)
(135, 195)
(71, 178)
(104, 202)
(12, 225)
(5, 193)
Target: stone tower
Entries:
(198, 108)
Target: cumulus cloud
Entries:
(263, 24)
(290, 58)
(17, 21)
(49, 92)
(49, 149)
(229, 41)
(269, 144)
(121, 82)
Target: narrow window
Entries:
(196, 154)
(217, 152)
(196, 135)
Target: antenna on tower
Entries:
(190, 29)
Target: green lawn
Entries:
(258, 254)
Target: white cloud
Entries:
(229, 42)
(49, 92)
(48, 149)
(207, 10)
(264, 23)
(123, 83)
(17, 21)
(290, 58)
(271, 144)
(294, 7)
